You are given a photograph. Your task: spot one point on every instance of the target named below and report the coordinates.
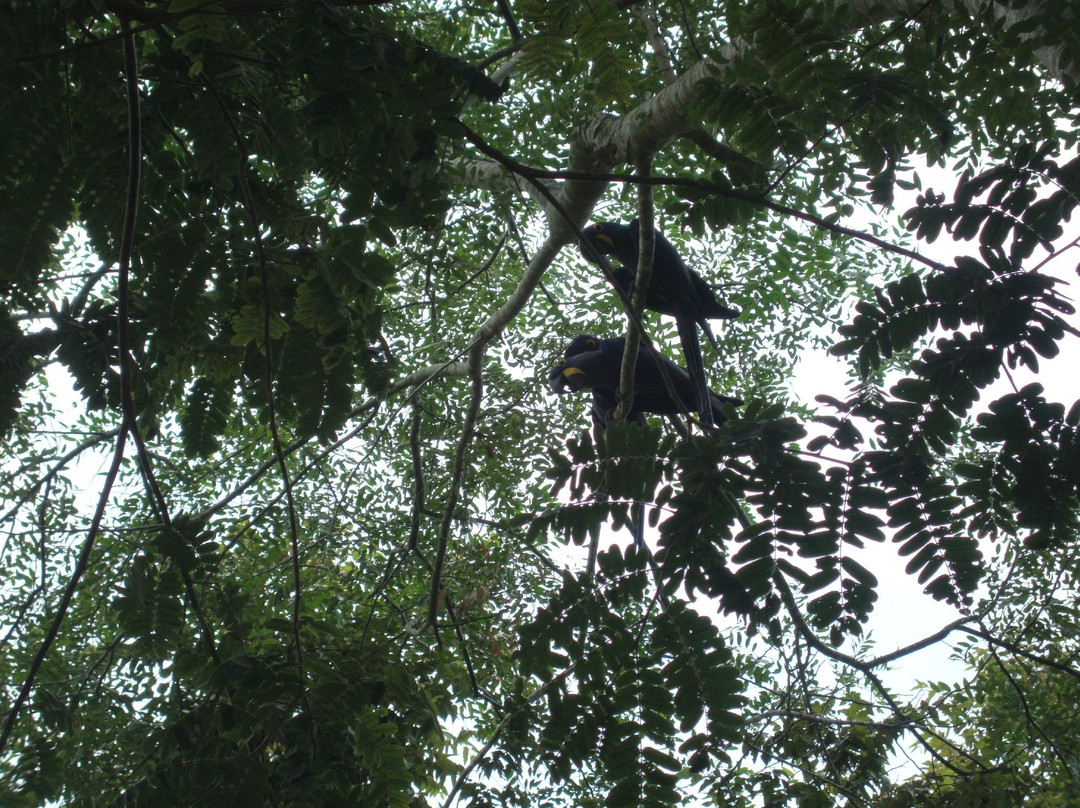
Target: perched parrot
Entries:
(674, 289)
(590, 362)
(595, 364)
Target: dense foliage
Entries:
(312, 530)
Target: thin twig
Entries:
(809, 773)
(268, 370)
(81, 565)
(477, 396)
(794, 163)
(495, 733)
(127, 242)
(57, 467)
(1027, 713)
(537, 174)
(467, 657)
(800, 624)
(1014, 648)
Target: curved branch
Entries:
(476, 355)
(1020, 652)
(81, 565)
(1026, 707)
(593, 178)
(925, 642)
(127, 245)
(130, 422)
(268, 369)
(511, 23)
(812, 639)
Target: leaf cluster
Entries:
(364, 603)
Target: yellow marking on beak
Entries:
(572, 371)
(606, 238)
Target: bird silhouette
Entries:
(596, 365)
(674, 289)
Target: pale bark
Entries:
(607, 142)
(1052, 58)
(874, 12)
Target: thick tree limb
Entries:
(606, 142)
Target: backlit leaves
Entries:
(303, 174)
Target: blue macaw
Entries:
(596, 364)
(590, 362)
(674, 289)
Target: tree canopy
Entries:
(291, 517)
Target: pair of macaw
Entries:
(674, 289)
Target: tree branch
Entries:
(812, 639)
(1027, 713)
(129, 9)
(56, 468)
(1016, 649)
(476, 356)
(268, 369)
(418, 475)
(642, 280)
(925, 642)
(511, 23)
(81, 565)
(539, 174)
